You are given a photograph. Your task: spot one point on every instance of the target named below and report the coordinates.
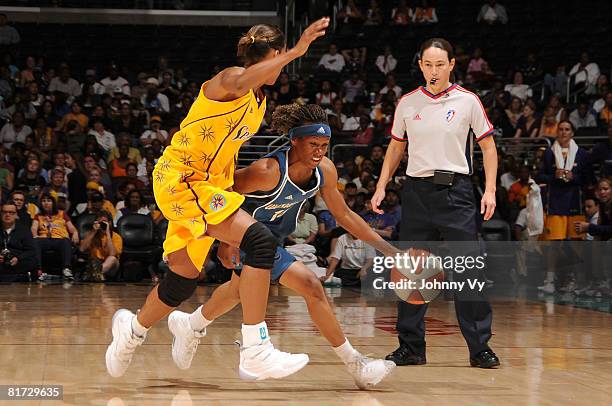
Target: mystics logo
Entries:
(217, 202)
(450, 115)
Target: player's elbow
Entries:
(347, 221)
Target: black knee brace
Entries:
(174, 289)
(259, 246)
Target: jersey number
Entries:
(278, 214)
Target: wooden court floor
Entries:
(57, 334)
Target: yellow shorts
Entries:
(189, 207)
(561, 227)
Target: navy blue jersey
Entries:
(278, 209)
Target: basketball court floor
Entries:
(552, 354)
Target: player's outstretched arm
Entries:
(236, 82)
(345, 217)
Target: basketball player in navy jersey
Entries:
(276, 187)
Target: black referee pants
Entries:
(433, 212)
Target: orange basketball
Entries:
(415, 276)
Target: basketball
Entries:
(417, 275)
(260, 201)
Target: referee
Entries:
(440, 122)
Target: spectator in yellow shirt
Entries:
(103, 246)
(76, 114)
(133, 153)
(53, 230)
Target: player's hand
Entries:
(487, 205)
(314, 31)
(228, 255)
(377, 200)
(75, 238)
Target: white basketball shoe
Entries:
(547, 287)
(185, 341)
(263, 361)
(120, 351)
(368, 372)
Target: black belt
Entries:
(446, 179)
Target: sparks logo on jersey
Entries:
(217, 202)
(417, 117)
(450, 115)
(242, 134)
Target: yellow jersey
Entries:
(207, 144)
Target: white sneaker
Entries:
(569, 287)
(67, 273)
(548, 287)
(368, 372)
(119, 353)
(263, 361)
(185, 341)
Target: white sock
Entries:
(254, 334)
(197, 321)
(137, 328)
(346, 352)
(550, 277)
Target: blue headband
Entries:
(319, 130)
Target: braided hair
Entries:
(287, 116)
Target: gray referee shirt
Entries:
(439, 129)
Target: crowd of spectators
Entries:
(77, 143)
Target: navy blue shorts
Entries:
(282, 261)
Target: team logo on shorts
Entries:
(217, 202)
(450, 115)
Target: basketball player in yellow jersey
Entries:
(192, 184)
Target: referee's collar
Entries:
(438, 95)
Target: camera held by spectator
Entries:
(103, 246)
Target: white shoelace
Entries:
(132, 341)
(193, 345)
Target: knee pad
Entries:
(259, 246)
(174, 289)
